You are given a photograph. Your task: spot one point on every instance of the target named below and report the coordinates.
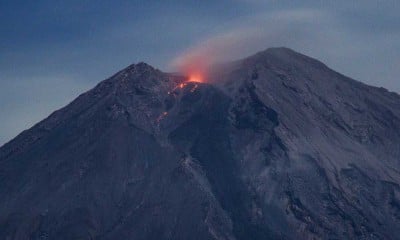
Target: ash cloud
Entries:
(255, 34)
(315, 32)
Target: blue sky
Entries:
(50, 51)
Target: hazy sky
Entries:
(50, 50)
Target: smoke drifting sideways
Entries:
(284, 28)
(196, 63)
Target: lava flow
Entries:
(195, 77)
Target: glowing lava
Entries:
(196, 77)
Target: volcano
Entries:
(273, 146)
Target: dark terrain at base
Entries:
(277, 146)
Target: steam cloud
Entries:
(272, 30)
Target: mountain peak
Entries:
(140, 75)
(284, 57)
(140, 67)
(288, 150)
(279, 50)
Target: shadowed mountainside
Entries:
(277, 146)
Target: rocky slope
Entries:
(277, 146)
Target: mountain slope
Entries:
(278, 147)
(342, 145)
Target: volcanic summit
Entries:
(273, 146)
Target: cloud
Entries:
(245, 38)
(314, 32)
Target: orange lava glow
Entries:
(196, 77)
(194, 65)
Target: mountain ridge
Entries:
(276, 146)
